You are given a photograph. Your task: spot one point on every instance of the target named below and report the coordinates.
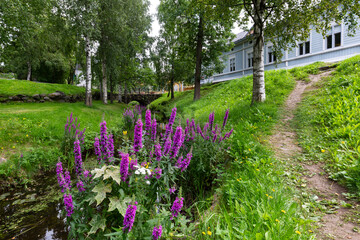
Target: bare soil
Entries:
(284, 143)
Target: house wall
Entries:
(350, 46)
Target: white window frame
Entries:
(247, 59)
(332, 34)
(234, 64)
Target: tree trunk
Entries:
(88, 96)
(111, 91)
(104, 82)
(119, 96)
(199, 45)
(258, 49)
(125, 93)
(172, 81)
(29, 71)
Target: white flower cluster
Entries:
(142, 171)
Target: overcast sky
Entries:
(155, 24)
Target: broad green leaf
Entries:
(101, 191)
(98, 171)
(97, 222)
(114, 173)
(116, 203)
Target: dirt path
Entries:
(284, 143)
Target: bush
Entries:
(133, 103)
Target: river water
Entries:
(33, 213)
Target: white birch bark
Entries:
(104, 82)
(258, 49)
(88, 96)
(29, 71)
(119, 96)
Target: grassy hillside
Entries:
(37, 129)
(330, 124)
(14, 87)
(253, 200)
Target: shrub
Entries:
(133, 103)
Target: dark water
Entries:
(34, 213)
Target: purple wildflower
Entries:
(171, 123)
(124, 166)
(211, 120)
(59, 174)
(227, 135)
(80, 186)
(172, 190)
(157, 232)
(129, 217)
(148, 121)
(199, 131)
(176, 207)
(97, 149)
(214, 138)
(157, 173)
(225, 118)
(185, 163)
(68, 202)
(167, 146)
(103, 140)
(153, 130)
(179, 162)
(178, 141)
(158, 152)
(86, 174)
(110, 147)
(78, 160)
(138, 136)
(206, 126)
(133, 163)
(67, 181)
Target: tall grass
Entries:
(252, 200)
(330, 124)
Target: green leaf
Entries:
(116, 203)
(97, 222)
(113, 172)
(101, 191)
(98, 171)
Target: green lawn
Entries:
(39, 127)
(14, 87)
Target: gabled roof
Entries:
(240, 36)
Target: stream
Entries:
(34, 213)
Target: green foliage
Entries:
(133, 103)
(331, 131)
(24, 128)
(252, 200)
(14, 87)
(302, 73)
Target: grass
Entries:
(253, 200)
(28, 88)
(330, 124)
(36, 130)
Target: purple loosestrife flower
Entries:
(185, 163)
(59, 174)
(211, 120)
(86, 174)
(97, 149)
(214, 138)
(124, 166)
(158, 152)
(157, 232)
(225, 118)
(179, 162)
(157, 173)
(138, 136)
(153, 130)
(67, 181)
(176, 207)
(206, 127)
(80, 186)
(68, 202)
(110, 147)
(199, 131)
(169, 126)
(129, 217)
(178, 141)
(167, 146)
(172, 190)
(227, 135)
(133, 163)
(103, 140)
(148, 121)
(78, 160)
(192, 124)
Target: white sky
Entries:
(155, 24)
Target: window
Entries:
(301, 49)
(232, 64)
(337, 39)
(334, 39)
(250, 60)
(329, 41)
(272, 57)
(304, 48)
